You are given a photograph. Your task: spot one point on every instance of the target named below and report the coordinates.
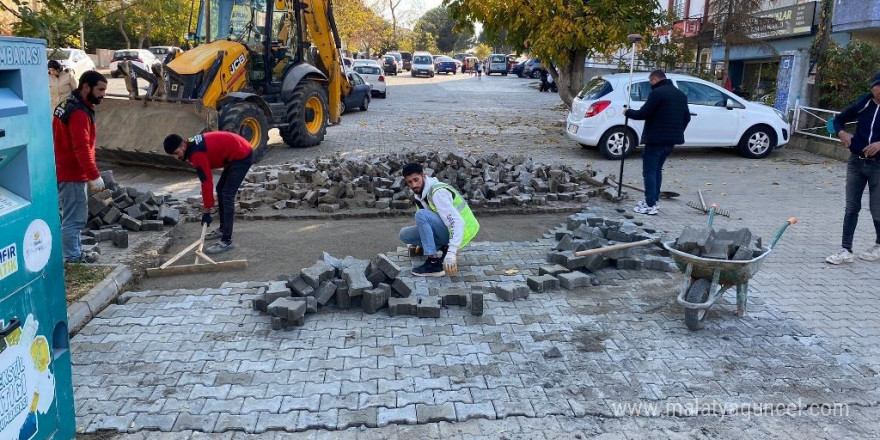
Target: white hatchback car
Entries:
(142, 58)
(718, 117)
(374, 76)
(74, 60)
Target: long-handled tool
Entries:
(633, 39)
(618, 247)
(663, 194)
(211, 266)
(702, 206)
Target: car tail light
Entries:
(596, 108)
(381, 78)
(140, 61)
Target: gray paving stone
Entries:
(196, 422)
(317, 420)
(236, 422)
(355, 418)
(401, 415)
(162, 422)
(435, 413)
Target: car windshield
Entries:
(367, 70)
(595, 89)
(498, 59)
(58, 54)
(159, 50)
(421, 59)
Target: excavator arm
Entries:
(319, 21)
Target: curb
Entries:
(828, 149)
(81, 311)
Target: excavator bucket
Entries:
(131, 131)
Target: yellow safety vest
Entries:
(471, 225)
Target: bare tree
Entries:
(737, 24)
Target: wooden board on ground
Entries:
(196, 268)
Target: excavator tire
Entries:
(307, 115)
(247, 120)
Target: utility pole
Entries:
(82, 36)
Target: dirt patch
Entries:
(590, 341)
(80, 278)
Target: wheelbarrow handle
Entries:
(782, 229)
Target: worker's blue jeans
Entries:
(429, 232)
(859, 174)
(227, 188)
(73, 198)
(653, 158)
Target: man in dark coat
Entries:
(666, 116)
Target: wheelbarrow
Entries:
(706, 279)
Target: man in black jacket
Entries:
(863, 169)
(666, 115)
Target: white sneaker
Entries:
(872, 254)
(645, 209)
(641, 204)
(842, 256)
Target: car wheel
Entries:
(536, 74)
(366, 104)
(613, 142)
(114, 74)
(432, 75)
(455, 72)
(758, 142)
(503, 73)
(342, 108)
(384, 94)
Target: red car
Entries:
(511, 61)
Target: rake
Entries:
(702, 206)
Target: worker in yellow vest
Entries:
(444, 223)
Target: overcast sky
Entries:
(413, 9)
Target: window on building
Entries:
(678, 9)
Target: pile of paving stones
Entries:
(339, 182)
(724, 244)
(117, 210)
(351, 283)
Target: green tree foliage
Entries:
(441, 25)
(564, 31)
(669, 52)
(57, 21)
(360, 27)
(846, 73)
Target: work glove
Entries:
(97, 184)
(206, 219)
(450, 263)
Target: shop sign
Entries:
(789, 21)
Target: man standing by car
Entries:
(666, 116)
(863, 169)
(73, 133)
(444, 223)
(207, 151)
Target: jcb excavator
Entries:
(260, 72)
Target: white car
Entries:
(718, 118)
(142, 58)
(422, 64)
(374, 76)
(75, 60)
(365, 62)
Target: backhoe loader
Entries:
(265, 64)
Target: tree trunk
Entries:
(393, 6)
(122, 27)
(146, 35)
(570, 79)
(819, 47)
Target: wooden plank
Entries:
(202, 243)
(180, 254)
(615, 247)
(196, 268)
(206, 257)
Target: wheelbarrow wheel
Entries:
(698, 293)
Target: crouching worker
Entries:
(207, 151)
(444, 223)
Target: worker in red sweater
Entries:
(73, 132)
(207, 151)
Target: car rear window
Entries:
(58, 54)
(367, 70)
(595, 89)
(126, 55)
(422, 59)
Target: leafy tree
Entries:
(846, 73)
(669, 51)
(482, 50)
(564, 31)
(441, 25)
(736, 24)
(57, 21)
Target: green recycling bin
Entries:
(36, 392)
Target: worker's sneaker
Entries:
(433, 267)
(214, 235)
(645, 209)
(219, 247)
(872, 254)
(842, 256)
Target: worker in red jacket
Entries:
(73, 132)
(207, 151)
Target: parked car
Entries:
(407, 60)
(389, 65)
(142, 58)
(374, 76)
(74, 60)
(399, 58)
(517, 69)
(347, 62)
(472, 61)
(365, 62)
(718, 117)
(422, 64)
(162, 52)
(511, 61)
(445, 64)
(496, 63)
(533, 68)
(360, 93)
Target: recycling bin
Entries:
(36, 392)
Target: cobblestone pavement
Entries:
(203, 360)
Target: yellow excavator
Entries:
(264, 64)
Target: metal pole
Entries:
(633, 38)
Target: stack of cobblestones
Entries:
(338, 182)
(352, 283)
(723, 244)
(117, 210)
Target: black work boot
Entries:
(433, 267)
